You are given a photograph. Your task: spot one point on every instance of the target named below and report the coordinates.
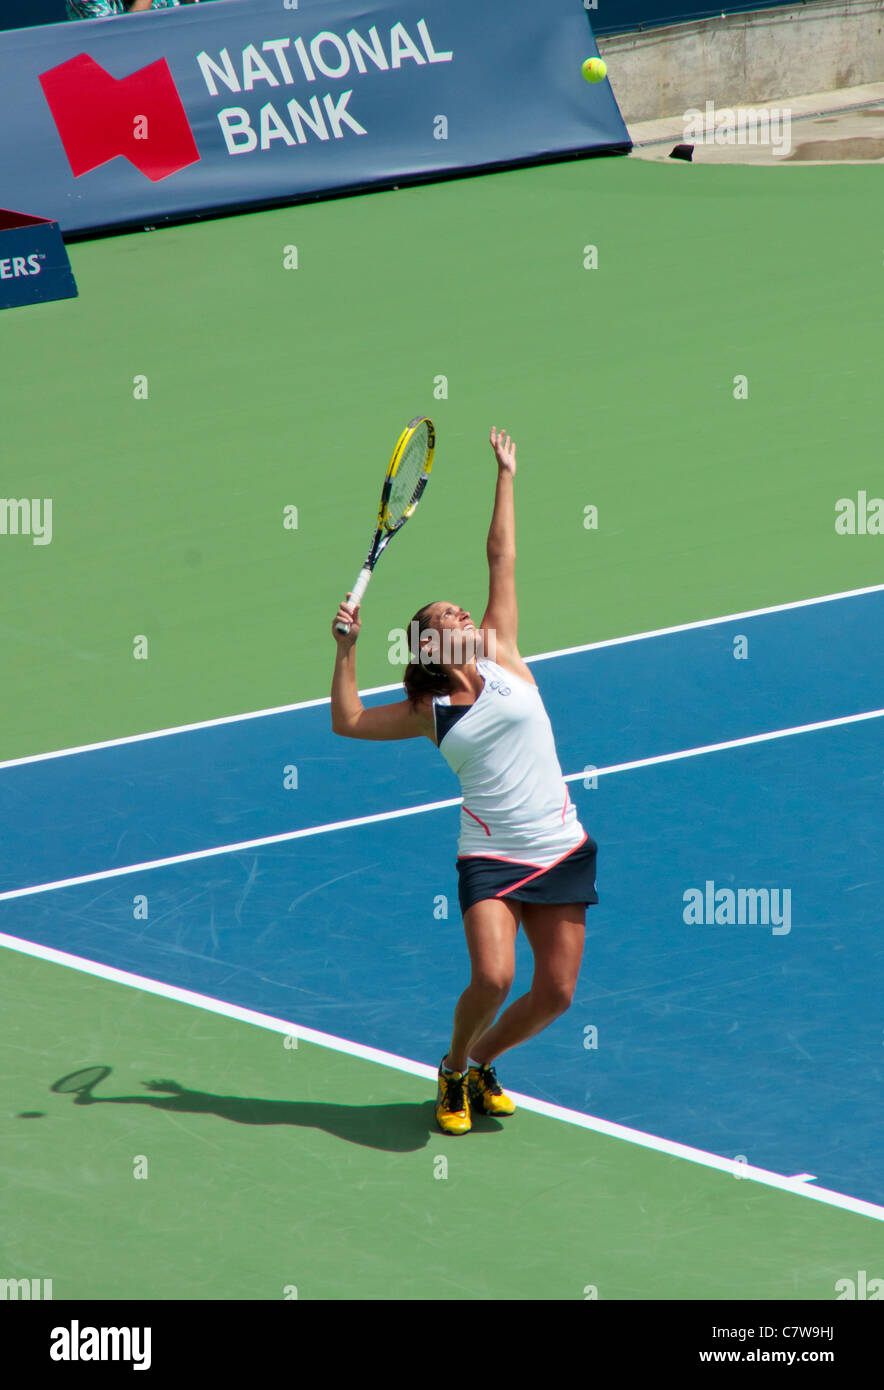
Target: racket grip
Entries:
(359, 589)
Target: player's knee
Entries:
(491, 985)
(553, 997)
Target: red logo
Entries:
(139, 117)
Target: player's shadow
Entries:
(397, 1128)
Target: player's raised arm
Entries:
(501, 620)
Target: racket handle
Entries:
(359, 589)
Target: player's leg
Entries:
(556, 933)
(490, 926)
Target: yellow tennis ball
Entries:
(594, 69)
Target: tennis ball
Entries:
(594, 69)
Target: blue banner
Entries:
(17, 14)
(157, 116)
(34, 265)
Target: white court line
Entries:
(228, 849)
(728, 743)
(707, 622)
(797, 1185)
(397, 685)
(355, 821)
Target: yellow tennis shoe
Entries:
(485, 1093)
(452, 1102)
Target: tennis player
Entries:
(523, 856)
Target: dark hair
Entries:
(423, 677)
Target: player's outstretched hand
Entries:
(346, 614)
(505, 450)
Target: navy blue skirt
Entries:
(571, 880)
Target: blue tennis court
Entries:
(331, 901)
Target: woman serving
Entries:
(523, 856)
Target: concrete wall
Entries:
(746, 58)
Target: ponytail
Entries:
(423, 677)
(424, 680)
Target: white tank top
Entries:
(515, 801)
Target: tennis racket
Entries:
(403, 485)
(82, 1080)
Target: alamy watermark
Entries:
(743, 125)
(451, 647)
(22, 517)
(26, 1289)
(862, 1287)
(76, 1343)
(743, 907)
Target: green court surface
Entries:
(271, 388)
(307, 1169)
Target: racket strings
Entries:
(82, 1080)
(408, 474)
